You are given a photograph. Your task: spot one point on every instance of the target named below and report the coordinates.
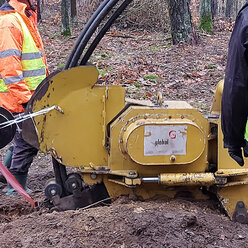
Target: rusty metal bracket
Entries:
(79, 199)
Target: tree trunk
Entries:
(65, 7)
(38, 11)
(229, 8)
(214, 8)
(74, 11)
(206, 22)
(42, 4)
(181, 22)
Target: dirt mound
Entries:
(176, 223)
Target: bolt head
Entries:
(93, 176)
(172, 158)
(241, 204)
(53, 192)
(74, 185)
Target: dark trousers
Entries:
(23, 154)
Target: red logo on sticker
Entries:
(173, 134)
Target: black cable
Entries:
(86, 27)
(103, 31)
(90, 32)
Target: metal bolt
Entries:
(74, 185)
(241, 204)
(93, 176)
(131, 173)
(53, 192)
(172, 158)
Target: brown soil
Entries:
(125, 223)
(183, 72)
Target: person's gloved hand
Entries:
(236, 153)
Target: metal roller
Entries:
(52, 189)
(7, 132)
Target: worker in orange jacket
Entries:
(22, 68)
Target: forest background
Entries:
(155, 46)
(176, 47)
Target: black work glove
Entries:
(236, 153)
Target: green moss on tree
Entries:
(206, 23)
(66, 32)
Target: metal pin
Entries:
(59, 109)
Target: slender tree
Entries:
(182, 29)
(74, 12)
(214, 8)
(229, 8)
(38, 11)
(206, 21)
(65, 9)
(42, 4)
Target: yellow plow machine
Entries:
(119, 147)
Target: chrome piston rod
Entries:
(150, 180)
(181, 179)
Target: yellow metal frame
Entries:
(95, 134)
(77, 137)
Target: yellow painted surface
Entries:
(216, 105)
(76, 137)
(231, 172)
(152, 191)
(187, 179)
(229, 196)
(224, 160)
(197, 150)
(133, 142)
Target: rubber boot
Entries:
(7, 162)
(8, 157)
(22, 179)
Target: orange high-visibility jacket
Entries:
(11, 41)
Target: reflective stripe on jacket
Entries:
(34, 69)
(22, 60)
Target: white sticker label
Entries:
(165, 140)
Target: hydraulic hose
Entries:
(103, 31)
(89, 32)
(86, 27)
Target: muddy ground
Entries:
(129, 58)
